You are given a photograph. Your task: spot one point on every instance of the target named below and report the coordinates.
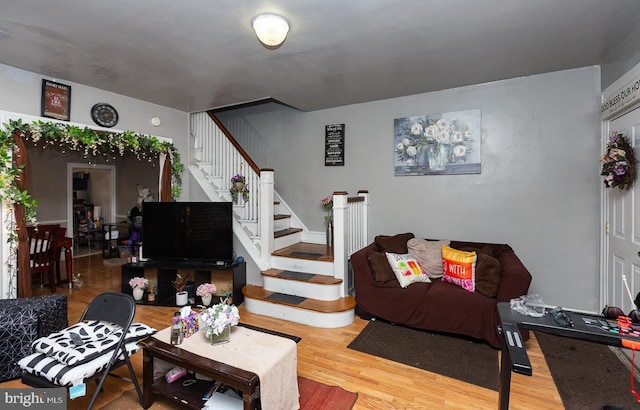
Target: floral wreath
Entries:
(618, 163)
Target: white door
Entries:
(623, 222)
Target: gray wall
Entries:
(539, 189)
(624, 58)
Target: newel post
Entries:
(340, 238)
(265, 218)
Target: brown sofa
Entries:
(439, 306)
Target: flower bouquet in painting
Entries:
(436, 144)
(217, 320)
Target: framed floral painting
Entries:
(436, 144)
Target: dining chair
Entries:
(41, 252)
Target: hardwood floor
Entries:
(323, 356)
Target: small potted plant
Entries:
(138, 284)
(182, 297)
(239, 191)
(327, 204)
(206, 291)
(151, 297)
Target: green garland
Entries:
(90, 142)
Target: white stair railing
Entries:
(350, 216)
(220, 157)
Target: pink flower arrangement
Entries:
(139, 282)
(206, 289)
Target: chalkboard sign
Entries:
(334, 145)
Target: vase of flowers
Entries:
(327, 204)
(206, 291)
(216, 322)
(182, 297)
(138, 285)
(239, 189)
(618, 163)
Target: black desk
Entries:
(514, 354)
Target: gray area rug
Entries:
(281, 297)
(296, 275)
(587, 375)
(456, 357)
(310, 255)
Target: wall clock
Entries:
(104, 115)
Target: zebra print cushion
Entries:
(97, 337)
(58, 373)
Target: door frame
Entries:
(112, 190)
(606, 119)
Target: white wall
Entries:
(538, 190)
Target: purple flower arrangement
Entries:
(618, 163)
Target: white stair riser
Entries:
(301, 288)
(303, 316)
(280, 224)
(302, 265)
(287, 240)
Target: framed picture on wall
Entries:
(56, 100)
(438, 144)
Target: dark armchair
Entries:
(24, 320)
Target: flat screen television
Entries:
(187, 231)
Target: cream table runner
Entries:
(273, 358)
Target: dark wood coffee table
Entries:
(246, 382)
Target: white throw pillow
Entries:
(407, 269)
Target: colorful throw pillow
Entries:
(407, 269)
(394, 244)
(380, 268)
(459, 268)
(428, 254)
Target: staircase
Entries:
(302, 279)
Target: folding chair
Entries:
(62, 361)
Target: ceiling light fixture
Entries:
(271, 29)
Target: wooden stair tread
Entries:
(333, 306)
(280, 216)
(285, 232)
(317, 279)
(325, 251)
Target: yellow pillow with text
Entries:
(459, 268)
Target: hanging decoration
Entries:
(92, 143)
(618, 163)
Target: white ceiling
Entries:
(199, 54)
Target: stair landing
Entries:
(305, 250)
(323, 306)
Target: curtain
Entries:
(24, 272)
(165, 180)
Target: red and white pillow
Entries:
(459, 268)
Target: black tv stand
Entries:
(230, 278)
